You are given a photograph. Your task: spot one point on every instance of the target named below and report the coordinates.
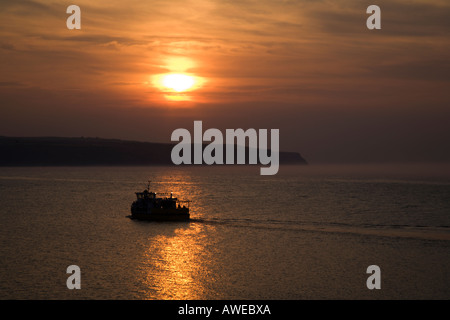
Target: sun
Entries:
(178, 82)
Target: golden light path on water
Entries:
(175, 262)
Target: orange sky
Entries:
(336, 90)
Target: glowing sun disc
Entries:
(178, 82)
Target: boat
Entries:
(159, 207)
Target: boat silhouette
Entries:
(159, 207)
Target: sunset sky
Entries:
(337, 91)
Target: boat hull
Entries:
(161, 215)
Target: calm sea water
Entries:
(306, 233)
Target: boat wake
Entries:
(393, 231)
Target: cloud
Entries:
(27, 7)
(399, 18)
(424, 70)
(11, 84)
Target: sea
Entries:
(307, 233)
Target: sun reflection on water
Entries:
(175, 265)
(176, 258)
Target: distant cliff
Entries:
(53, 151)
